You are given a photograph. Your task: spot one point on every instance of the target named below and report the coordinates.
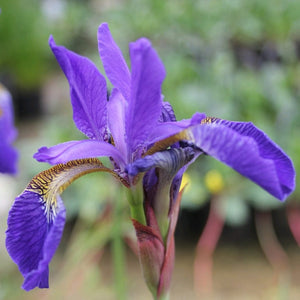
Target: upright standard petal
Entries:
(87, 89)
(116, 108)
(8, 155)
(145, 104)
(113, 62)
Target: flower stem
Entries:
(205, 249)
(118, 252)
(161, 209)
(273, 250)
(163, 297)
(293, 215)
(136, 203)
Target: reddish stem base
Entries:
(204, 252)
(293, 216)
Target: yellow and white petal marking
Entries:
(52, 182)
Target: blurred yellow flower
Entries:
(185, 182)
(214, 181)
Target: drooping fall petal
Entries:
(249, 151)
(242, 147)
(32, 237)
(37, 217)
(268, 150)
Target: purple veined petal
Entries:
(8, 159)
(8, 133)
(116, 108)
(32, 239)
(72, 150)
(37, 217)
(169, 160)
(267, 149)
(166, 129)
(250, 152)
(145, 103)
(87, 89)
(167, 112)
(113, 62)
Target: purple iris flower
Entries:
(8, 133)
(149, 151)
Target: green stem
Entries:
(162, 207)
(163, 297)
(118, 252)
(136, 203)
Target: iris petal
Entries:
(114, 64)
(88, 91)
(170, 161)
(37, 217)
(8, 158)
(72, 150)
(249, 151)
(243, 147)
(8, 131)
(116, 107)
(32, 237)
(8, 155)
(168, 128)
(268, 150)
(145, 104)
(167, 113)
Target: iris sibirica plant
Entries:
(8, 133)
(149, 151)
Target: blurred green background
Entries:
(232, 59)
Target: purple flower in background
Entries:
(8, 133)
(149, 151)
